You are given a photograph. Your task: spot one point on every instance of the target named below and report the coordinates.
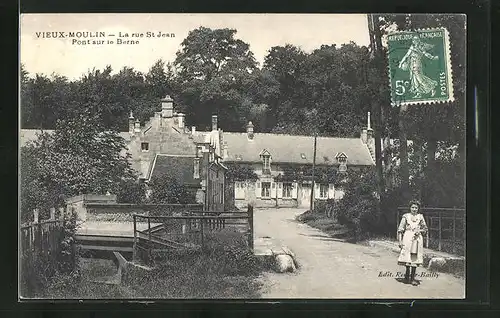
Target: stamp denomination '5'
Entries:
(420, 67)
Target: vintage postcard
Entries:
(242, 156)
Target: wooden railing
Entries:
(446, 228)
(189, 230)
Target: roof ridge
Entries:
(290, 135)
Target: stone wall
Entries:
(124, 212)
(105, 209)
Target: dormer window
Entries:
(266, 165)
(266, 162)
(144, 146)
(341, 158)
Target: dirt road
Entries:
(331, 268)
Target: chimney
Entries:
(180, 117)
(137, 127)
(167, 107)
(369, 131)
(224, 150)
(250, 130)
(131, 123)
(214, 122)
(193, 130)
(157, 120)
(364, 135)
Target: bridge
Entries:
(139, 231)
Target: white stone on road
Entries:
(330, 268)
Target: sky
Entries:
(260, 31)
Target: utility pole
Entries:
(314, 166)
(376, 58)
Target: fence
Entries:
(446, 228)
(189, 231)
(40, 248)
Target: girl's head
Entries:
(414, 206)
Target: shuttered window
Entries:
(323, 191)
(287, 190)
(266, 190)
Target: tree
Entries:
(159, 79)
(81, 156)
(43, 100)
(212, 66)
(34, 192)
(285, 64)
(28, 114)
(325, 91)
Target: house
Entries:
(164, 146)
(283, 165)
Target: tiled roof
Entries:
(26, 135)
(179, 167)
(293, 149)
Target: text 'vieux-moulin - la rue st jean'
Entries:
(99, 38)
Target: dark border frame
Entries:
(478, 151)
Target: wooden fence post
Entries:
(454, 231)
(134, 252)
(35, 215)
(250, 223)
(61, 214)
(397, 223)
(150, 244)
(427, 235)
(202, 232)
(439, 230)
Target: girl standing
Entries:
(411, 241)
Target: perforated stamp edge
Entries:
(449, 71)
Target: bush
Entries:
(228, 251)
(131, 191)
(165, 189)
(359, 209)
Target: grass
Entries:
(225, 269)
(326, 224)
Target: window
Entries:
(266, 168)
(145, 146)
(239, 190)
(287, 190)
(266, 190)
(323, 191)
(196, 174)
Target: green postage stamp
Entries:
(420, 67)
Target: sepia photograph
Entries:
(242, 156)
